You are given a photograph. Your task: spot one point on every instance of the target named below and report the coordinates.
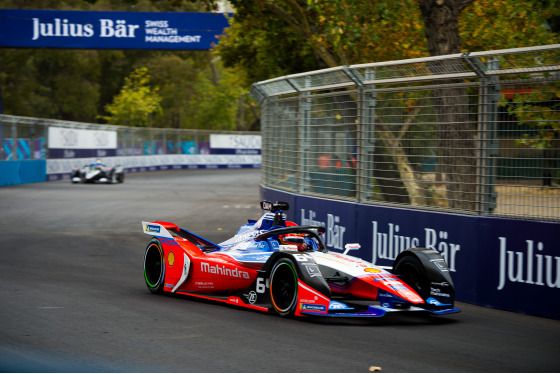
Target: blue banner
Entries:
(495, 262)
(110, 30)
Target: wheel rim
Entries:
(153, 266)
(283, 287)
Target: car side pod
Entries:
(426, 272)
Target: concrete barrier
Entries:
(58, 169)
(24, 171)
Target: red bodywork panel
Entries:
(208, 272)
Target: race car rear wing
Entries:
(171, 230)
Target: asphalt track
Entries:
(73, 298)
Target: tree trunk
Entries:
(456, 130)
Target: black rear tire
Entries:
(283, 287)
(154, 266)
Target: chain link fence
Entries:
(25, 138)
(474, 133)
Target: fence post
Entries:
(304, 141)
(488, 149)
(14, 141)
(368, 139)
(493, 96)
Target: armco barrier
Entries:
(501, 263)
(25, 171)
(61, 168)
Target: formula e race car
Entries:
(96, 172)
(274, 265)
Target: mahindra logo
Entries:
(223, 270)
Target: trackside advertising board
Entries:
(59, 168)
(494, 262)
(71, 143)
(235, 144)
(110, 30)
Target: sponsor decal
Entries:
(372, 270)
(247, 236)
(338, 305)
(385, 278)
(288, 247)
(312, 307)
(437, 292)
(313, 270)
(530, 266)
(171, 258)
(204, 285)
(223, 270)
(411, 296)
(440, 264)
(252, 297)
(310, 301)
(152, 228)
(432, 301)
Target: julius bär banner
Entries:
(110, 30)
(509, 264)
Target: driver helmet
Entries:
(295, 239)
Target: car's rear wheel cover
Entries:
(283, 287)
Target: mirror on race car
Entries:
(351, 247)
(273, 207)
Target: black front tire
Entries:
(154, 266)
(410, 270)
(283, 287)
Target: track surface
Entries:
(73, 296)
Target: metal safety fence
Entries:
(25, 138)
(473, 133)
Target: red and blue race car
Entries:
(272, 264)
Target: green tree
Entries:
(539, 110)
(79, 84)
(500, 24)
(331, 33)
(215, 101)
(59, 84)
(270, 38)
(136, 103)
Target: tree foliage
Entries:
(267, 39)
(331, 33)
(270, 38)
(79, 84)
(539, 110)
(136, 103)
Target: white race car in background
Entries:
(96, 172)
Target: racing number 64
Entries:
(261, 285)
